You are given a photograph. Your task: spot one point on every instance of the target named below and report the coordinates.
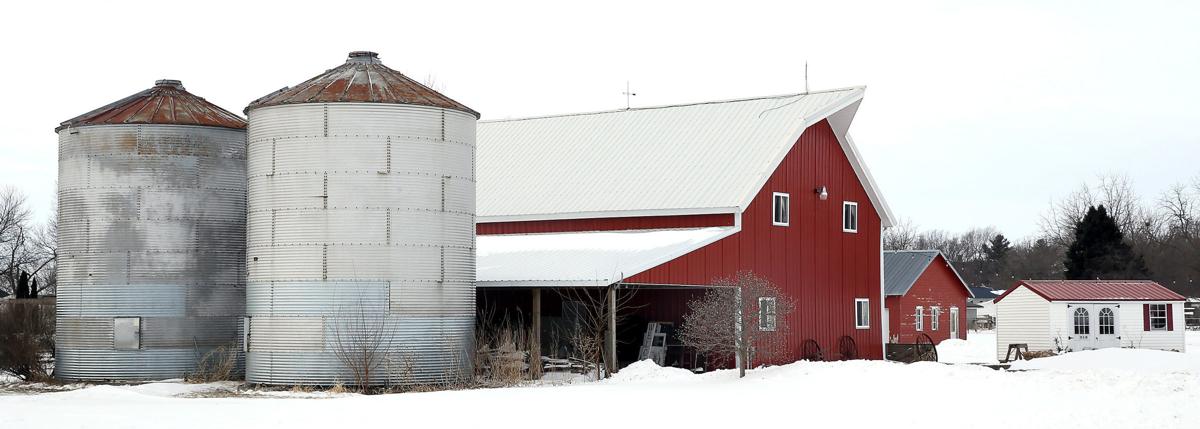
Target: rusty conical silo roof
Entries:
(362, 79)
(165, 103)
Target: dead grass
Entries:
(218, 364)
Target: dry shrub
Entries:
(502, 350)
(300, 388)
(27, 338)
(218, 364)
(337, 389)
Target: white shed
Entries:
(1070, 315)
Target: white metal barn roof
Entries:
(685, 159)
(582, 258)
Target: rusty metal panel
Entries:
(165, 103)
(364, 79)
(152, 221)
(373, 215)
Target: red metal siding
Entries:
(938, 287)
(604, 224)
(822, 268)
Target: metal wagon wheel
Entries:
(926, 350)
(811, 351)
(847, 348)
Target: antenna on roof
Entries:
(806, 77)
(628, 94)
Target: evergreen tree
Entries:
(995, 261)
(23, 286)
(997, 248)
(1100, 252)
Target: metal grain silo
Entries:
(360, 229)
(151, 229)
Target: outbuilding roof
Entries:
(361, 79)
(902, 268)
(1097, 290)
(698, 158)
(984, 292)
(582, 258)
(165, 103)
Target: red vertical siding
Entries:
(604, 224)
(822, 268)
(938, 287)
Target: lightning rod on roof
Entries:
(628, 94)
(806, 77)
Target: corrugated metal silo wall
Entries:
(151, 224)
(360, 236)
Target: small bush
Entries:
(219, 364)
(27, 338)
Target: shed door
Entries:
(1107, 325)
(1080, 329)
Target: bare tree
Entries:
(902, 236)
(25, 250)
(744, 316)
(362, 341)
(592, 312)
(1114, 191)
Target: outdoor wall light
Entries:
(822, 193)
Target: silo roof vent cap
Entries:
(170, 83)
(363, 57)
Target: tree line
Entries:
(1102, 230)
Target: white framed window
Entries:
(919, 324)
(849, 216)
(862, 313)
(1107, 322)
(781, 209)
(1083, 323)
(1158, 317)
(766, 314)
(934, 312)
(954, 322)
(127, 333)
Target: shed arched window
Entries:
(1082, 325)
(1107, 322)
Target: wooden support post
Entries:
(535, 337)
(611, 342)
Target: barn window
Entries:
(1108, 325)
(849, 216)
(920, 322)
(934, 312)
(781, 208)
(766, 313)
(1158, 317)
(862, 313)
(127, 333)
(1082, 324)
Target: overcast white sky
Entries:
(975, 115)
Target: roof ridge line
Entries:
(667, 106)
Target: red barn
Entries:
(665, 200)
(925, 295)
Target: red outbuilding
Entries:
(925, 296)
(663, 201)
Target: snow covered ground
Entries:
(1104, 389)
(979, 347)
